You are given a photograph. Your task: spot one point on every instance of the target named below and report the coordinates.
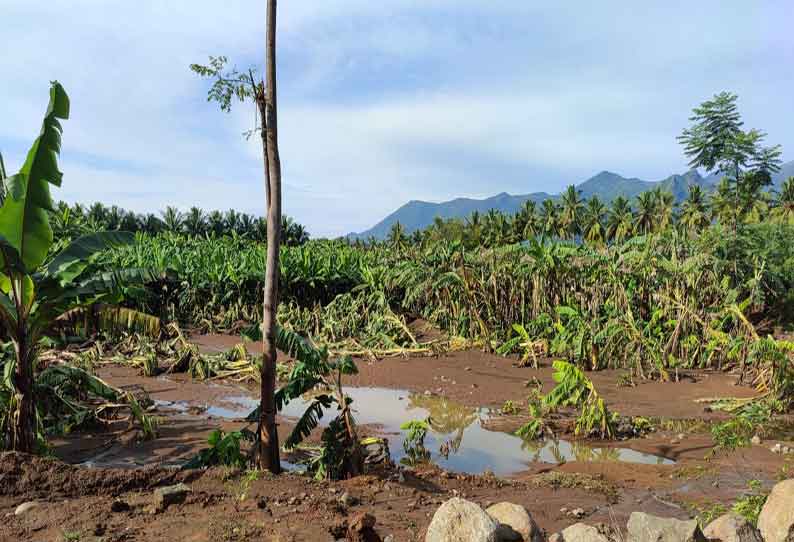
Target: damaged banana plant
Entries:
(36, 288)
(340, 454)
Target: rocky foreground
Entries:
(459, 520)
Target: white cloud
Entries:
(380, 102)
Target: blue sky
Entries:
(383, 102)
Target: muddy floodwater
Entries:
(457, 441)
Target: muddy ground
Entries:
(77, 502)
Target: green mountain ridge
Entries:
(606, 185)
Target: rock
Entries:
(776, 521)
(346, 499)
(515, 523)
(577, 513)
(644, 527)
(580, 532)
(361, 528)
(166, 496)
(556, 537)
(756, 440)
(776, 449)
(119, 506)
(732, 528)
(388, 538)
(25, 507)
(457, 520)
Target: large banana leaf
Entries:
(73, 260)
(23, 217)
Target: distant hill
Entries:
(606, 185)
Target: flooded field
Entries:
(457, 439)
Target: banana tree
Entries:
(35, 287)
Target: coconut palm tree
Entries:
(645, 218)
(664, 205)
(723, 203)
(526, 224)
(152, 224)
(247, 225)
(397, 238)
(195, 223)
(620, 220)
(593, 228)
(474, 227)
(550, 219)
(694, 215)
(216, 224)
(172, 219)
(97, 213)
(231, 222)
(783, 211)
(572, 209)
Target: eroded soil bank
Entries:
(77, 501)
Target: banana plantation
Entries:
(580, 356)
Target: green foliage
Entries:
(751, 504)
(732, 434)
(414, 442)
(224, 449)
(524, 343)
(509, 407)
(34, 293)
(574, 389)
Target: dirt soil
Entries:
(97, 488)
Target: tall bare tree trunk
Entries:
(268, 434)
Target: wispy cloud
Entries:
(383, 102)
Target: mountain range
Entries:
(606, 185)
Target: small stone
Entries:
(777, 448)
(346, 499)
(166, 496)
(577, 513)
(756, 440)
(785, 450)
(556, 537)
(25, 507)
(388, 538)
(580, 532)
(261, 503)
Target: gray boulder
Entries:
(459, 520)
(644, 527)
(579, 532)
(166, 496)
(776, 521)
(732, 528)
(515, 523)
